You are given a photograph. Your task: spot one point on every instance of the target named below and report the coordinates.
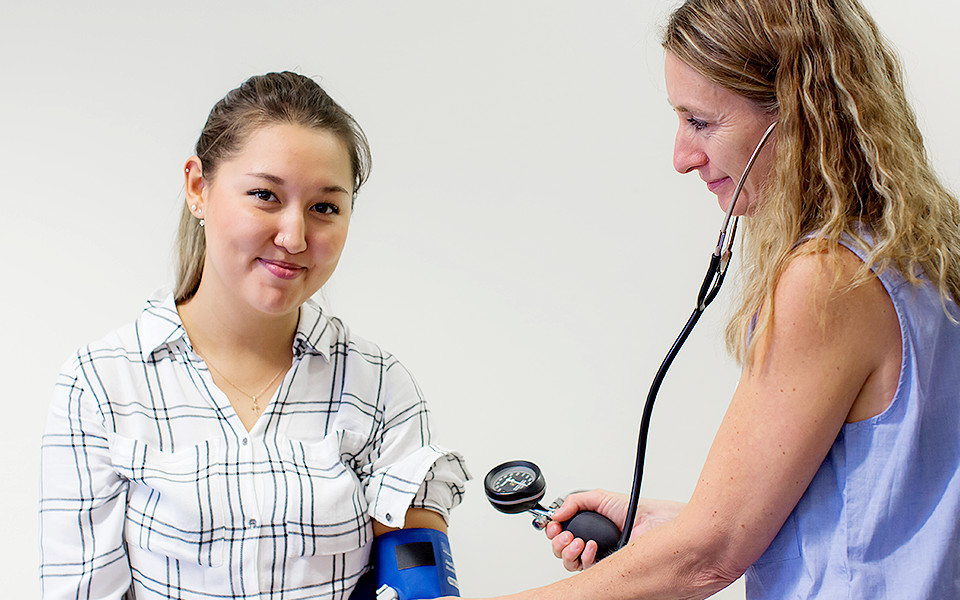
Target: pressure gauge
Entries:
(517, 486)
(514, 486)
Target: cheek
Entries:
(250, 233)
(328, 244)
(759, 175)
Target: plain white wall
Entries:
(524, 245)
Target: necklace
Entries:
(256, 406)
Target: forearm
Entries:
(415, 518)
(671, 561)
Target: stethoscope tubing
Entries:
(716, 272)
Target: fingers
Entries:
(553, 530)
(575, 554)
(588, 557)
(574, 504)
(570, 554)
(560, 542)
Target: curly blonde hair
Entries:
(849, 155)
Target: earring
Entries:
(201, 222)
(193, 207)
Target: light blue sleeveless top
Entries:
(881, 518)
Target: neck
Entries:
(217, 331)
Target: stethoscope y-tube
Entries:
(719, 261)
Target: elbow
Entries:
(712, 563)
(710, 578)
(703, 578)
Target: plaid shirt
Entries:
(152, 487)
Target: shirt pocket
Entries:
(326, 512)
(175, 500)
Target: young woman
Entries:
(236, 441)
(834, 472)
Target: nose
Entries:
(291, 232)
(687, 153)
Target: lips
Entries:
(281, 269)
(714, 185)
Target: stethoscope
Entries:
(517, 486)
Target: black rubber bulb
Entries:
(589, 525)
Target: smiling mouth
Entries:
(283, 270)
(714, 185)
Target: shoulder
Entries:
(113, 348)
(330, 336)
(826, 301)
(820, 271)
(130, 345)
(822, 282)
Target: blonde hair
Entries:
(849, 155)
(261, 100)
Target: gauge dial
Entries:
(514, 486)
(514, 479)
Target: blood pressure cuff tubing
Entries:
(416, 563)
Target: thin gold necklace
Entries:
(256, 406)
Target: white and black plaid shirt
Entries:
(152, 487)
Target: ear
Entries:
(194, 185)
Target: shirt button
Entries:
(252, 522)
(245, 441)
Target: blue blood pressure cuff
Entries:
(415, 564)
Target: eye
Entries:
(264, 195)
(696, 123)
(326, 208)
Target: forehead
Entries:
(274, 138)
(290, 148)
(689, 91)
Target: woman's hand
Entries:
(578, 554)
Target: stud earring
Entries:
(193, 207)
(201, 222)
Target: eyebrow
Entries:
(680, 108)
(280, 181)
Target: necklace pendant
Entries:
(256, 407)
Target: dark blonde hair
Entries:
(849, 155)
(261, 100)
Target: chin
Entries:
(278, 302)
(742, 209)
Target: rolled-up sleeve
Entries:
(82, 500)
(407, 468)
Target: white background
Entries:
(523, 246)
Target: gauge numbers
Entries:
(514, 479)
(514, 486)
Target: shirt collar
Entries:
(160, 324)
(315, 332)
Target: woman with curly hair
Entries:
(835, 471)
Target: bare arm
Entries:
(416, 517)
(824, 360)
